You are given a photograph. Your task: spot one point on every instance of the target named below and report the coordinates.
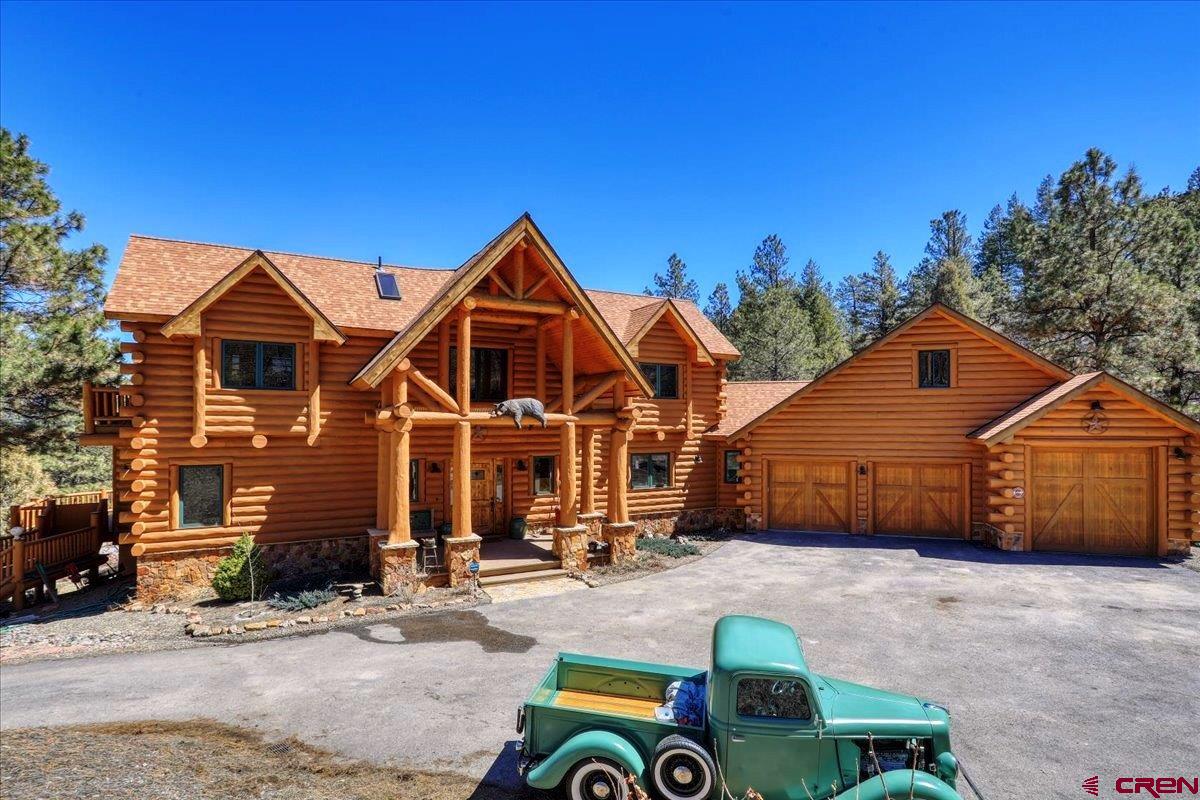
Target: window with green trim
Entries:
(257, 365)
(650, 470)
(201, 495)
(544, 470)
(732, 468)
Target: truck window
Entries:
(777, 699)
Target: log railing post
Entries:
(18, 568)
(89, 419)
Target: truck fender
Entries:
(897, 783)
(581, 746)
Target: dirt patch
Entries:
(648, 563)
(201, 759)
(456, 626)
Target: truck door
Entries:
(771, 741)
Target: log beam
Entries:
(519, 270)
(435, 392)
(314, 391)
(497, 303)
(198, 392)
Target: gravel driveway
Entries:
(1055, 668)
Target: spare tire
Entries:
(682, 769)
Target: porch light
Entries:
(699, 459)
(521, 466)
(1097, 405)
(435, 467)
(1180, 453)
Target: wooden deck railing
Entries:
(20, 557)
(102, 406)
(64, 512)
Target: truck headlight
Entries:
(947, 767)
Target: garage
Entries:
(810, 495)
(917, 499)
(1092, 500)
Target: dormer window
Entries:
(933, 369)
(389, 288)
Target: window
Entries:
(201, 495)
(649, 470)
(933, 369)
(731, 467)
(543, 475)
(414, 480)
(258, 365)
(385, 282)
(663, 378)
(777, 699)
(489, 373)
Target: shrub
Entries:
(22, 478)
(240, 575)
(299, 601)
(667, 547)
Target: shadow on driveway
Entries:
(948, 550)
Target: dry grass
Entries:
(201, 759)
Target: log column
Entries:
(199, 439)
(567, 490)
(618, 474)
(398, 552)
(587, 496)
(462, 547)
(568, 361)
(463, 393)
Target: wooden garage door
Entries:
(1088, 500)
(919, 499)
(809, 495)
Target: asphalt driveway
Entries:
(1055, 668)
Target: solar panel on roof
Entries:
(385, 282)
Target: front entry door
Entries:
(487, 496)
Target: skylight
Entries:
(385, 282)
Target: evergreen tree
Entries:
(675, 282)
(1090, 297)
(883, 298)
(769, 269)
(996, 267)
(774, 336)
(944, 275)
(719, 309)
(51, 323)
(851, 300)
(829, 338)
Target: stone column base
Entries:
(622, 541)
(460, 552)
(1179, 547)
(398, 568)
(570, 545)
(593, 521)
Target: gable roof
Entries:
(746, 400)
(996, 338)
(158, 278)
(469, 274)
(640, 324)
(1036, 407)
(628, 314)
(187, 321)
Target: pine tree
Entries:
(829, 337)
(883, 298)
(1090, 296)
(774, 336)
(719, 308)
(997, 267)
(851, 300)
(51, 323)
(944, 275)
(675, 282)
(768, 269)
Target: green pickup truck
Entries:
(757, 719)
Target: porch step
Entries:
(487, 570)
(518, 577)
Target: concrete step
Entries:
(531, 565)
(518, 577)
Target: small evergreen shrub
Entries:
(300, 601)
(667, 547)
(240, 575)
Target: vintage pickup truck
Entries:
(757, 719)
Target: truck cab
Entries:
(757, 718)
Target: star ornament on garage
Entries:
(1092, 786)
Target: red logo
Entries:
(1092, 786)
(1157, 787)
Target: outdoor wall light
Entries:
(521, 467)
(1097, 405)
(435, 467)
(699, 459)
(862, 469)
(1180, 453)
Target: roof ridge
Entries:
(286, 253)
(782, 380)
(650, 297)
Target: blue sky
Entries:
(416, 132)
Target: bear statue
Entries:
(519, 407)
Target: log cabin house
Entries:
(341, 412)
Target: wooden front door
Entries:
(810, 496)
(919, 500)
(1089, 500)
(487, 496)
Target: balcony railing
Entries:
(102, 408)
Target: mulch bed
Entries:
(202, 759)
(647, 563)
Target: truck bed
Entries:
(637, 707)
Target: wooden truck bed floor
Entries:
(638, 707)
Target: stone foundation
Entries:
(992, 536)
(398, 568)
(700, 519)
(1179, 548)
(460, 552)
(594, 522)
(622, 541)
(188, 573)
(570, 546)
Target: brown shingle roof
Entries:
(160, 277)
(749, 399)
(1015, 416)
